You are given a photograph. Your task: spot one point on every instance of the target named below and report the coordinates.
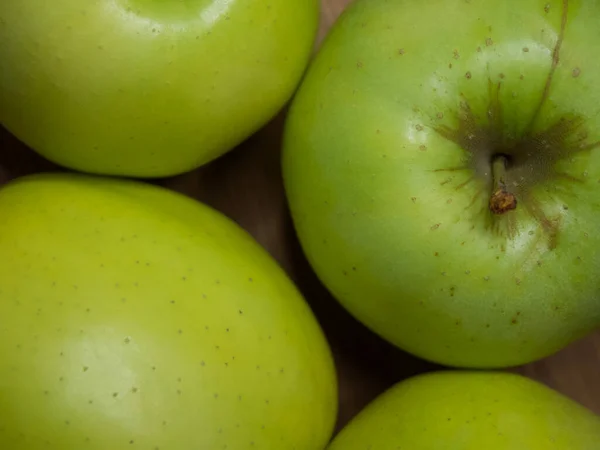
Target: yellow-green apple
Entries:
(134, 317)
(147, 88)
(456, 410)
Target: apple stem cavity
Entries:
(501, 200)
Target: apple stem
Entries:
(499, 164)
(501, 200)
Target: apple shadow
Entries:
(16, 159)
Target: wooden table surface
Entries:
(246, 185)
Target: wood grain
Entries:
(246, 185)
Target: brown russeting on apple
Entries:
(502, 201)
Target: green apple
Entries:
(147, 88)
(471, 411)
(134, 317)
(442, 165)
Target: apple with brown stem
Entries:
(442, 164)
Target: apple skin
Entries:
(463, 410)
(148, 88)
(132, 314)
(390, 201)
